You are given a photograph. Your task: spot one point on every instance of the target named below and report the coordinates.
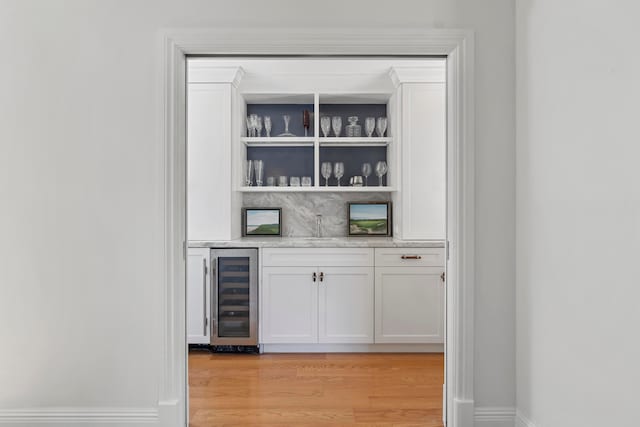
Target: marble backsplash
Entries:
(299, 210)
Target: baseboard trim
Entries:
(351, 348)
(102, 416)
(494, 416)
(522, 421)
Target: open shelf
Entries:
(333, 141)
(278, 141)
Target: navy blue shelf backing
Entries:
(353, 158)
(288, 161)
(362, 111)
(277, 111)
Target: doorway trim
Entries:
(458, 47)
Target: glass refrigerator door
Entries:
(233, 297)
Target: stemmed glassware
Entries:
(248, 174)
(381, 126)
(258, 165)
(267, 125)
(325, 125)
(287, 119)
(336, 123)
(366, 171)
(381, 170)
(258, 126)
(369, 126)
(338, 171)
(325, 170)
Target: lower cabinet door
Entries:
(198, 296)
(345, 304)
(289, 311)
(409, 305)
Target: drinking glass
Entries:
(258, 126)
(366, 171)
(336, 123)
(258, 165)
(254, 123)
(381, 169)
(369, 126)
(325, 170)
(267, 125)
(249, 127)
(248, 174)
(294, 181)
(282, 181)
(287, 120)
(271, 181)
(338, 171)
(381, 126)
(306, 181)
(325, 125)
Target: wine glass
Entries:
(258, 126)
(254, 123)
(325, 170)
(369, 126)
(267, 125)
(287, 120)
(338, 171)
(249, 126)
(381, 169)
(366, 171)
(336, 123)
(325, 125)
(381, 126)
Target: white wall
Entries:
(578, 212)
(81, 187)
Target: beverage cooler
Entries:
(234, 304)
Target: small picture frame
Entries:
(371, 219)
(261, 222)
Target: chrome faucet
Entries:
(318, 225)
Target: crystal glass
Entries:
(381, 126)
(267, 125)
(249, 127)
(248, 174)
(353, 129)
(366, 171)
(258, 126)
(369, 126)
(325, 170)
(294, 181)
(282, 181)
(338, 171)
(306, 181)
(336, 124)
(381, 170)
(254, 123)
(271, 181)
(258, 166)
(287, 120)
(325, 125)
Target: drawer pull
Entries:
(411, 257)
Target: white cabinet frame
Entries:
(457, 46)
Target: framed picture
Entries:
(369, 219)
(261, 221)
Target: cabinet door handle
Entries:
(322, 276)
(204, 294)
(214, 295)
(411, 257)
(314, 276)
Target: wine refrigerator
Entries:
(234, 304)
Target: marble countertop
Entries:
(314, 242)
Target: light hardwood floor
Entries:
(316, 390)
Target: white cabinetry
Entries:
(421, 126)
(213, 204)
(322, 299)
(409, 296)
(198, 296)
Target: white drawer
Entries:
(414, 257)
(317, 257)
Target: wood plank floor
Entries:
(306, 390)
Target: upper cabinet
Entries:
(421, 118)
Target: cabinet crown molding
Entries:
(428, 73)
(209, 73)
